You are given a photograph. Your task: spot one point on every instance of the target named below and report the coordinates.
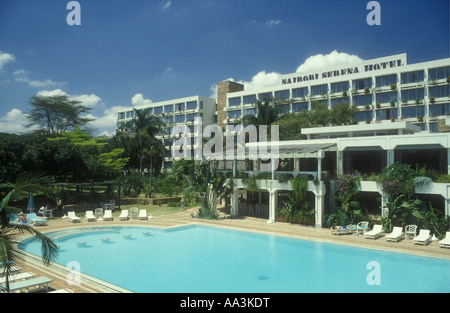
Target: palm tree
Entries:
(10, 254)
(267, 113)
(144, 128)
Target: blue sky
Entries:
(131, 52)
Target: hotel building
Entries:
(404, 116)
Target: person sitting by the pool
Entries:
(22, 218)
(41, 211)
(350, 227)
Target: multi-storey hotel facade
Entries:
(403, 116)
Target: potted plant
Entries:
(393, 86)
(392, 119)
(420, 118)
(448, 79)
(432, 100)
(378, 104)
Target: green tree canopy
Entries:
(57, 114)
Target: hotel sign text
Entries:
(344, 71)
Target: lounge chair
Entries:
(376, 232)
(73, 218)
(343, 230)
(33, 284)
(35, 220)
(396, 235)
(17, 277)
(423, 238)
(108, 215)
(445, 243)
(123, 215)
(90, 217)
(143, 215)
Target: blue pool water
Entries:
(198, 259)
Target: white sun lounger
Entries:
(73, 218)
(396, 235)
(108, 215)
(423, 238)
(33, 284)
(90, 217)
(376, 232)
(143, 215)
(17, 277)
(445, 243)
(123, 215)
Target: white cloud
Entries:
(315, 62)
(107, 123)
(22, 76)
(138, 99)
(320, 61)
(6, 58)
(15, 122)
(273, 23)
(166, 4)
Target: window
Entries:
(319, 90)
(336, 101)
(299, 92)
(386, 80)
(249, 99)
(265, 96)
(412, 77)
(362, 84)
(413, 94)
(121, 116)
(362, 100)
(158, 110)
(339, 87)
(130, 114)
(234, 114)
(179, 106)
(282, 94)
(386, 97)
(168, 108)
(363, 116)
(439, 109)
(299, 106)
(386, 114)
(192, 105)
(439, 73)
(234, 101)
(413, 111)
(249, 112)
(439, 91)
(168, 119)
(179, 118)
(190, 117)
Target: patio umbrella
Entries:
(31, 203)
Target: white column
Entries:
(390, 157)
(448, 161)
(320, 156)
(234, 211)
(447, 206)
(273, 199)
(340, 162)
(319, 192)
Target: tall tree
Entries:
(10, 255)
(56, 114)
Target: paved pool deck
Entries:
(89, 284)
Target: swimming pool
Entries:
(201, 259)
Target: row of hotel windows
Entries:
(383, 114)
(360, 84)
(385, 97)
(179, 107)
